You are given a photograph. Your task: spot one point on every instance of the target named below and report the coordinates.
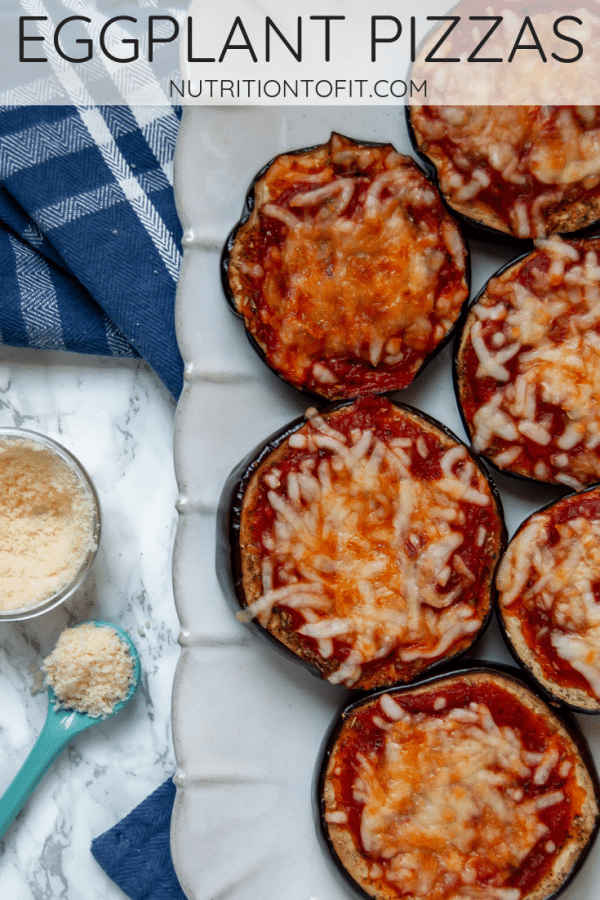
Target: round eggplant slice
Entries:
(464, 786)
(548, 589)
(364, 540)
(520, 172)
(346, 268)
(527, 365)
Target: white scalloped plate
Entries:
(247, 723)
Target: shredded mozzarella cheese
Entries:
(366, 270)
(551, 151)
(551, 341)
(558, 579)
(443, 795)
(370, 553)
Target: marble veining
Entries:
(118, 419)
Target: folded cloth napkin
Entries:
(136, 852)
(89, 234)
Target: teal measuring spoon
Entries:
(60, 728)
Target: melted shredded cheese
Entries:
(512, 166)
(368, 553)
(369, 268)
(558, 580)
(441, 799)
(549, 332)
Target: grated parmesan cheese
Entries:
(46, 523)
(90, 669)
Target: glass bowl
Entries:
(67, 589)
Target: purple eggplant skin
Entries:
(245, 215)
(229, 512)
(458, 376)
(447, 672)
(559, 696)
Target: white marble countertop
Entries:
(117, 418)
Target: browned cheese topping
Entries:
(349, 272)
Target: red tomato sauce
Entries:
(362, 735)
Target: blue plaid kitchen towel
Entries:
(89, 234)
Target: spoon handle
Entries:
(41, 756)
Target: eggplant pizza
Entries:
(347, 269)
(363, 539)
(522, 171)
(527, 366)
(548, 592)
(465, 787)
